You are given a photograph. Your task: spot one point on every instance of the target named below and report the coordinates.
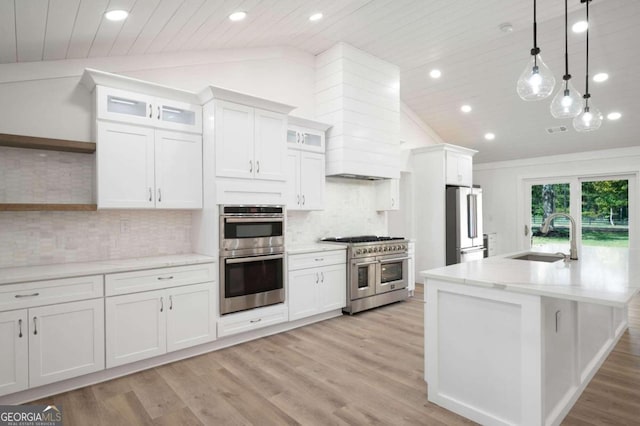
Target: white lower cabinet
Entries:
(65, 340)
(47, 344)
(317, 283)
(151, 323)
(14, 352)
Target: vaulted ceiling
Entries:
(479, 63)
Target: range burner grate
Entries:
(361, 239)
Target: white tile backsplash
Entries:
(38, 176)
(40, 238)
(349, 210)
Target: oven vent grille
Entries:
(558, 129)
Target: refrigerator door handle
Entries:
(472, 214)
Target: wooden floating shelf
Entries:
(33, 142)
(32, 207)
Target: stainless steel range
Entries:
(377, 271)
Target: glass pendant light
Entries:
(536, 81)
(590, 118)
(567, 103)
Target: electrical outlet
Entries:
(124, 226)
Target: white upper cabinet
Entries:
(305, 138)
(234, 138)
(270, 149)
(305, 164)
(125, 166)
(175, 115)
(139, 167)
(122, 105)
(250, 142)
(459, 169)
(388, 194)
(178, 167)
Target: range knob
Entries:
(358, 251)
(385, 248)
(369, 250)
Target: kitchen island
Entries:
(511, 341)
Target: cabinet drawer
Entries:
(252, 320)
(312, 260)
(156, 279)
(38, 293)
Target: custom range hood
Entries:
(358, 94)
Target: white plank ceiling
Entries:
(480, 64)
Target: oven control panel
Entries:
(365, 250)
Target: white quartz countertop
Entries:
(603, 275)
(65, 270)
(314, 247)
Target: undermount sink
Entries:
(539, 257)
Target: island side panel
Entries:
(483, 353)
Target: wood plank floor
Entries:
(365, 369)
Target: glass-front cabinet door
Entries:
(304, 138)
(124, 106)
(178, 115)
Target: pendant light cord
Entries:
(587, 95)
(535, 49)
(567, 76)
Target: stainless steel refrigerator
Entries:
(464, 224)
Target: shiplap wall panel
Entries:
(90, 15)
(60, 20)
(7, 32)
(348, 150)
(31, 19)
(133, 26)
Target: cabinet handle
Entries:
(255, 321)
(393, 202)
(303, 199)
(298, 199)
(322, 275)
(317, 278)
(170, 277)
(159, 196)
(320, 259)
(304, 138)
(158, 112)
(150, 110)
(162, 304)
(257, 166)
(18, 296)
(20, 328)
(557, 320)
(35, 326)
(150, 194)
(250, 166)
(297, 137)
(171, 303)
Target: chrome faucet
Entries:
(573, 252)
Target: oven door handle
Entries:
(394, 260)
(253, 219)
(253, 258)
(366, 263)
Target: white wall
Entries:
(504, 195)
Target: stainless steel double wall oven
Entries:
(251, 257)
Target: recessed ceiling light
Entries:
(238, 16)
(600, 77)
(580, 27)
(506, 27)
(315, 17)
(465, 108)
(435, 73)
(489, 136)
(614, 116)
(116, 15)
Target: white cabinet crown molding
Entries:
(213, 92)
(305, 122)
(92, 78)
(444, 147)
